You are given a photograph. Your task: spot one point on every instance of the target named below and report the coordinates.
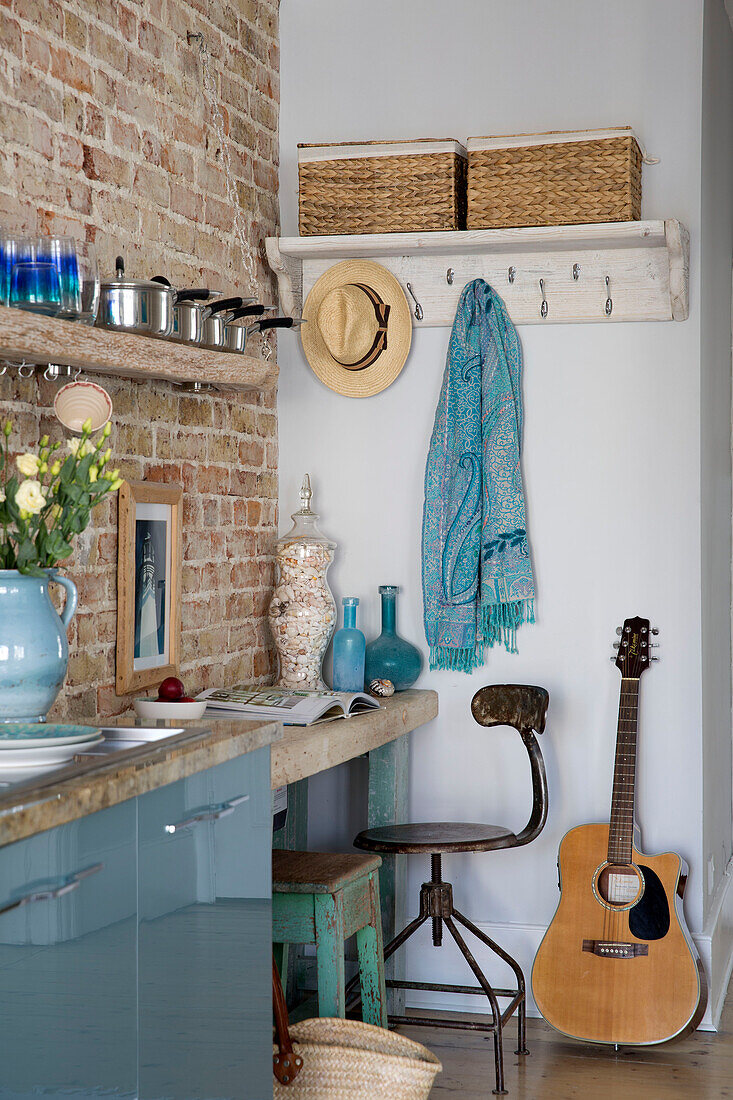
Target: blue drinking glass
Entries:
(61, 251)
(36, 287)
(13, 250)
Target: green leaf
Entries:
(26, 555)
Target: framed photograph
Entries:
(148, 584)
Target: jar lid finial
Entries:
(305, 494)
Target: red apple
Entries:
(171, 690)
(187, 699)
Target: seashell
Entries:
(381, 688)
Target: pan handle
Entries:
(225, 303)
(199, 295)
(275, 322)
(248, 311)
(160, 279)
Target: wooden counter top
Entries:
(93, 783)
(305, 750)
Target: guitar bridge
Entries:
(612, 949)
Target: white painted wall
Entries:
(612, 435)
(715, 355)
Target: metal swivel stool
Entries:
(524, 708)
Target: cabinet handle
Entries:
(212, 813)
(66, 887)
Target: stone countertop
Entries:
(90, 783)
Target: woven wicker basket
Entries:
(554, 179)
(382, 187)
(349, 1060)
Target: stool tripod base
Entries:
(436, 904)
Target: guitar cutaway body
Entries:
(624, 970)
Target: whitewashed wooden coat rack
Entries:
(569, 274)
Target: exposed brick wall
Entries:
(106, 135)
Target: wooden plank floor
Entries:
(700, 1066)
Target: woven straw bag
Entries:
(334, 1059)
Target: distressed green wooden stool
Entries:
(323, 898)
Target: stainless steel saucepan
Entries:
(236, 336)
(135, 305)
(214, 325)
(190, 310)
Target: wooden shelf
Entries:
(37, 339)
(647, 263)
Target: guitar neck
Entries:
(621, 832)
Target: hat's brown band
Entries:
(379, 344)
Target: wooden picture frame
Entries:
(149, 566)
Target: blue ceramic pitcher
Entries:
(34, 651)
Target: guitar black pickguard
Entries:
(649, 918)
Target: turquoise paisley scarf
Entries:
(477, 573)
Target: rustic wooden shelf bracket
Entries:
(645, 263)
(32, 338)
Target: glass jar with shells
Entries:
(302, 611)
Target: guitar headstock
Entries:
(634, 650)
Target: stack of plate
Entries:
(40, 744)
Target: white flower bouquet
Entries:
(49, 500)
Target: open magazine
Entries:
(295, 708)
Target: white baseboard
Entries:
(425, 963)
(715, 944)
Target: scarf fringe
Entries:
(451, 658)
(499, 624)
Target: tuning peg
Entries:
(654, 645)
(619, 630)
(653, 658)
(616, 645)
(655, 630)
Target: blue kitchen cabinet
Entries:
(204, 935)
(68, 960)
(135, 947)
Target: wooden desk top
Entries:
(305, 750)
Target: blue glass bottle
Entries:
(390, 657)
(349, 645)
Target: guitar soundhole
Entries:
(618, 885)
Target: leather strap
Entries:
(379, 344)
(286, 1064)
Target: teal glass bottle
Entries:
(390, 657)
(349, 645)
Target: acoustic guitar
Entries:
(617, 964)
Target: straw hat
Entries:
(359, 328)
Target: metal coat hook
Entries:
(512, 273)
(609, 299)
(576, 272)
(543, 307)
(29, 368)
(54, 372)
(418, 308)
(449, 276)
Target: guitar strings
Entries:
(621, 827)
(624, 810)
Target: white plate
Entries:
(42, 756)
(152, 709)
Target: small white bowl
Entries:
(152, 709)
(77, 402)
